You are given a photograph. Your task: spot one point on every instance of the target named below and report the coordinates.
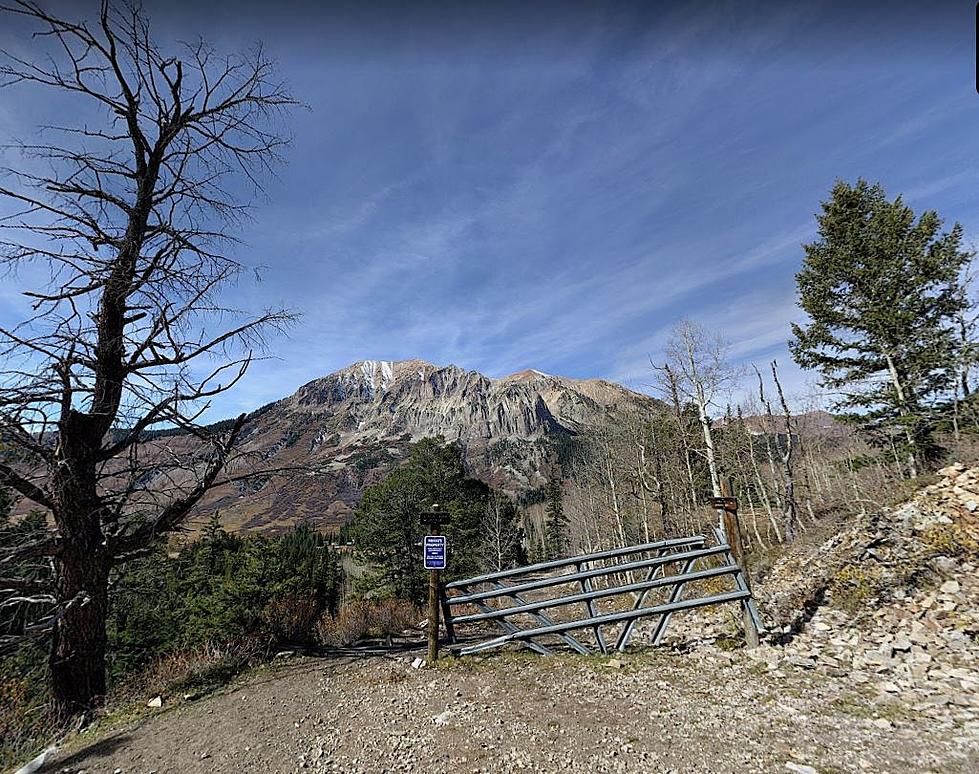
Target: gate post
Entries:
(728, 506)
(434, 518)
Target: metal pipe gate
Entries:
(508, 591)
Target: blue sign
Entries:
(434, 552)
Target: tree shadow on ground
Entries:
(88, 754)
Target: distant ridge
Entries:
(353, 425)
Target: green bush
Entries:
(220, 589)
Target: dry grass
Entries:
(291, 618)
(196, 670)
(359, 619)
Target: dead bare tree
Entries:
(669, 384)
(502, 535)
(789, 507)
(697, 369)
(130, 208)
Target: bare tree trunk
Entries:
(903, 410)
(762, 491)
(681, 432)
(77, 659)
(955, 415)
(789, 506)
(754, 513)
(613, 494)
(643, 487)
(129, 217)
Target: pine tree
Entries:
(557, 523)
(882, 292)
(388, 528)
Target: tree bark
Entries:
(903, 411)
(77, 659)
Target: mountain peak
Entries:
(526, 375)
(350, 426)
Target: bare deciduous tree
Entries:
(130, 209)
(502, 537)
(697, 369)
(786, 450)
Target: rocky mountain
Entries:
(347, 429)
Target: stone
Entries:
(950, 587)
(800, 768)
(442, 718)
(155, 702)
(901, 644)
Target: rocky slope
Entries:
(890, 606)
(346, 429)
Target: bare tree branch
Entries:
(132, 211)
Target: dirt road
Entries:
(708, 710)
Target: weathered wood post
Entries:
(434, 553)
(728, 506)
(433, 615)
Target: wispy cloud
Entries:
(528, 189)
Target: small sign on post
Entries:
(434, 552)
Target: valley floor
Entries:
(707, 710)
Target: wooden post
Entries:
(732, 531)
(433, 614)
(434, 519)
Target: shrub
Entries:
(292, 618)
(361, 618)
(208, 665)
(347, 627)
(855, 585)
(949, 539)
(391, 617)
(26, 722)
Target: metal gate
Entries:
(622, 580)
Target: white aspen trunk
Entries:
(709, 453)
(955, 416)
(789, 506)
(681, 431)
(643, 487)
(614, 496)
(762, 491)
(903, 410)
(754, 515)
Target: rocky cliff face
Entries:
(380, 399)
(350, 427)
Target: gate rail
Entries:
(509, 586)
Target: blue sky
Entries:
(531, 185)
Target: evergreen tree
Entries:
(219, 589)
(882, 291)
(388, 528)
(556, 533)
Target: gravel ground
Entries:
(705, 710)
